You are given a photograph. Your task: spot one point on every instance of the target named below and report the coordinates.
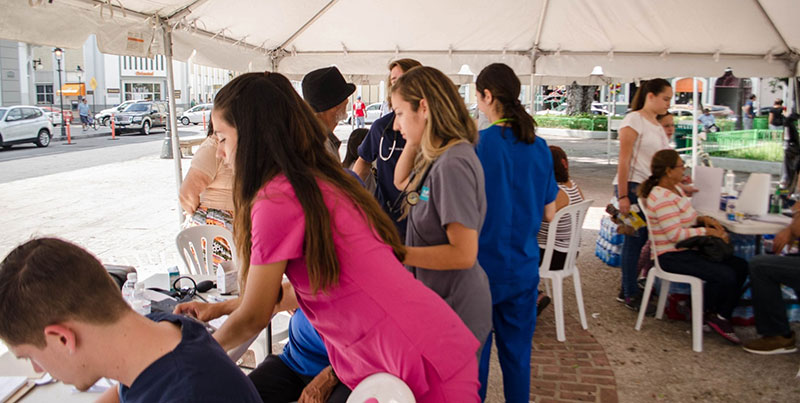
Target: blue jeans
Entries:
(748, 123)
(631, 249)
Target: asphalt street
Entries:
(24, 161)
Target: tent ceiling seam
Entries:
(308, 23)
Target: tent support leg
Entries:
(694, 125)
(173, 125)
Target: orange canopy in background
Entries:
(74, 90)
(685, 85)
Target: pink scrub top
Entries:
(378, 318)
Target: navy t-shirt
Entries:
(384, 146)
(305, 353)
(197, 370)
(519, 183)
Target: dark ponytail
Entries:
(654, 86)
(662, 161)
(505, 87)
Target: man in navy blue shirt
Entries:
(63, 312)
(383, 146)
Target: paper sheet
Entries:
(709, 182)
(9, 385)
(754, 198)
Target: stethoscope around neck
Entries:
(394, 141)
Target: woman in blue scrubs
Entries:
(520, 191)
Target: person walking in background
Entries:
(382, 146)
(521, 193)
(749, 112)
(359, 111)
(640, 137)
(444, 199)
(326, 91)
(673, 219)
(791, 152)
(83, 111)
(776, 115)
(300, 214)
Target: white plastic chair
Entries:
(695, 284)
(199, 259)
(382, 388)
(576, 214)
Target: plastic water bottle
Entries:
(730, 207)
(173, 275)
(129, 289)
(767, 244)
(730, 181)
(141, 304)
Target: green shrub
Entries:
(577, 122)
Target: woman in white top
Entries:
(640, 137)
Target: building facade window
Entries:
(44, 94)
(143, 91)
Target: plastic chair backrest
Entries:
(200, 260)
(381, 388)
(576, 214)
(648, 219)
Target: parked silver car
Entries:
(104, 117)
(195, 115)
(24, 124)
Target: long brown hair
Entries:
(279, 134)
(662, 161)
(654, 86)
(504, 85)
(448, 120)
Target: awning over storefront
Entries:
(685, 85)
(73, 90)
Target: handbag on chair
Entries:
(712, 248)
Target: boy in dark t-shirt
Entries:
(63, 312)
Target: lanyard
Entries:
(503, 120)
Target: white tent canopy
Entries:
(628, 38)
(547, 41)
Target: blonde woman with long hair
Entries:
(444, 196)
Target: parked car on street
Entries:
(373, 113)
(195, 115)
(718, 111)
(104, 117)
(24, 124)
(561, 109)
(142, 116)
(53, 114)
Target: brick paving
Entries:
(576, 370)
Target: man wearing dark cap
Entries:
(326, 91)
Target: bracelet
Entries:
(622, 197)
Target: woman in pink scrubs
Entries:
(299, 213)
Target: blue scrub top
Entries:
(305, 353)
(385, 154)
(519, 183)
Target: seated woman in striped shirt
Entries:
(672, 219)
(568, 193)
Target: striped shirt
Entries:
(563, 228)
(671, 219)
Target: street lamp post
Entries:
(58, 52)
(80, 72)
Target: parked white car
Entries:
(104, 117)
(24, 124)
(195, 115)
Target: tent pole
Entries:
(694, 126)
(608, 123)
(173, 125)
